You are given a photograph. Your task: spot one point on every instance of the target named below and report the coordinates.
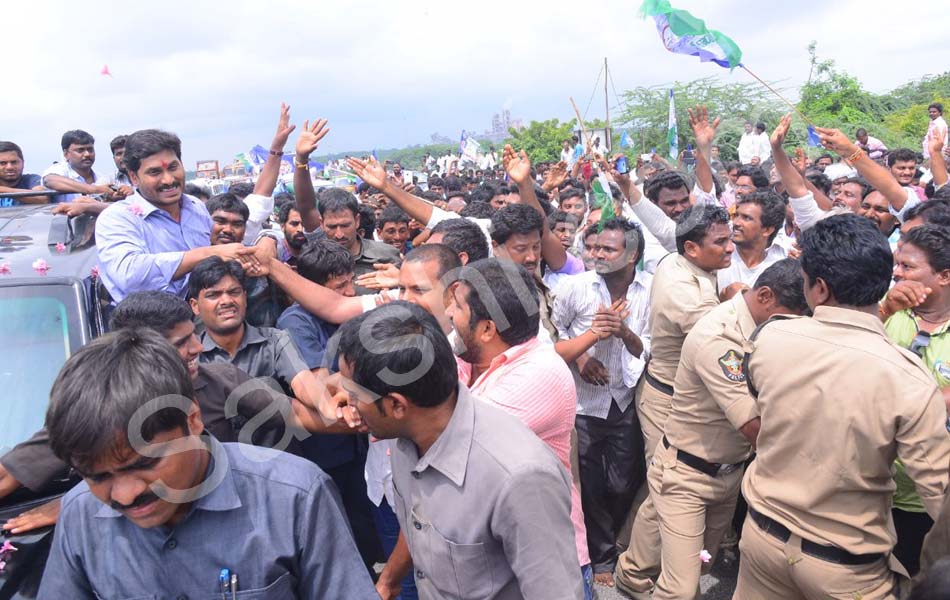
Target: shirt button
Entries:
(171, 544)
(420, 575)
(417, 524)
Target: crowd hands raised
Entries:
(472, 381)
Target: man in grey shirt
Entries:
(162, 512)
(483, 504)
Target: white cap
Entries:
(840, 171)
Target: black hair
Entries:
(463, 235)
(785, 280)
(147, 142)
(367, 221)
(478, 210)
(514, 219)
(485, 192)
(505, 293)
(400, 348)
(819, 180)
(695, 223)
(283, 213)
(860, 131)
(433, 181)
(281, 198)
(241, 189)
(826, 155)
(77, 137)
(934, 241)
(452, 183)
(427, 195)
(631, 232)
(322, 258)
(572, 192)
(772, 207)
(559, 216)
(105, 385)
(935, 211)
(851, 255)
(156, 310)
(732, 164)
(759, 179)
(212, 270)
(901, 155)
(118, 142)
(936, 105)
(193, 189)
(862, 182)
(363, 187)
(11, 147)
(337, 200)
(670, 180)
(228, 202)
(443, 254)
(456, 194)
(392, 214)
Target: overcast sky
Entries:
(389, 74)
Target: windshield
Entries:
(39, 327)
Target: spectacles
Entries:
(920, 343)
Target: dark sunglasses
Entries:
(920, 343)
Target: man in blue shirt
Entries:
(155, 237)
(163, 511)
(12, 178)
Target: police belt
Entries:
(826, 553)
(703, 466)
(656, 383)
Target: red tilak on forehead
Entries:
(164, 165)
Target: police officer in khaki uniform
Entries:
(694, 479)
(838, 402)
(684, 289)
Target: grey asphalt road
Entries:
(717, 585)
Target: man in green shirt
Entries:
(921, 299)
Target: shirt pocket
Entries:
(281, 589)
(457, 570)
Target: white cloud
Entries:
(391, 73)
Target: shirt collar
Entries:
(147, 208)
(850, 317)
(512, 353)
(221, 493)
(252, 335)
(686, 263)
(449, 454)
(201, 381)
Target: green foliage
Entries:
(541, 140)
(410, 158)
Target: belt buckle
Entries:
(726, 469)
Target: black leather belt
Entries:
(703, 466)
(666, 389)
(826, 553)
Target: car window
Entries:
(39, 328)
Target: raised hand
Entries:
(801, 161)
(310, 137)
(703, 131)
(904, 294)
(369, 171)
(555, 176)
(781, 130)
(385, 277)
(284, 129)
(517, 166)
(935, 145)
(621, 179)
(836, 141)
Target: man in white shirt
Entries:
(747, 145)
(759, 217)
(75, 175)
(873, 146)
(937, 124)
(567, 153)
(763, 150)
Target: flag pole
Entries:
(580, 121)
(774, 91)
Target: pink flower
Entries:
(3, 566)
(7, 547)
(135, 209)
(40, 266)
(94, 273)
(705, 556)
(5, 269)
(60, 247)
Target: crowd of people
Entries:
(514, 383)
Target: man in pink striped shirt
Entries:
(494, 310)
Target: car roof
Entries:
(30, 233)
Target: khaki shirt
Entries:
(711, 400)
(681, 294)
(839, 402)
(486, 511)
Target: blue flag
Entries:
(813, 139)
(625, 141)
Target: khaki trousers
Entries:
(639, 565)
(774, 570)
(694, 511)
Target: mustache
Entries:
(165, 188)
(142, 500)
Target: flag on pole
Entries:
(672, 135)
(625, 141)
(813, 139)
(683, 33)
(603, 199)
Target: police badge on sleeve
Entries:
(731, 364)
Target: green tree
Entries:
(541, 140)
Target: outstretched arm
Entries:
(303, 187)
(519, 171)
(703, 132)
(268, 178)
(879, 177)
(374, 174)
